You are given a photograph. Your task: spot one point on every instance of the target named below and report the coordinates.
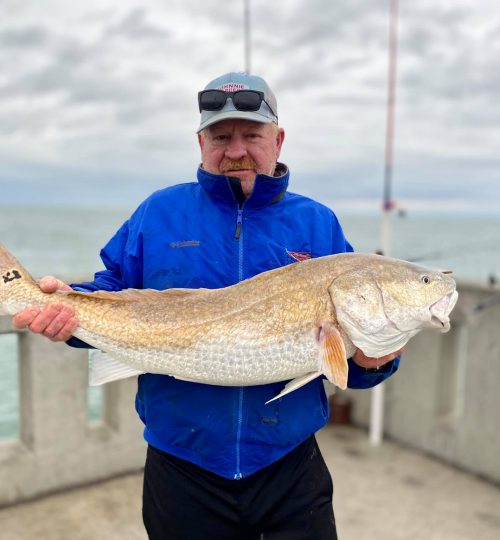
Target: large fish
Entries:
(296, 322)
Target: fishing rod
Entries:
(376, 428)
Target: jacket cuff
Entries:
(360, 377)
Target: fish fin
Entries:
(135, 295)
(104, 368)
(333, 357)
(296, 383)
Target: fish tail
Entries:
(9, 266)
(12, 273)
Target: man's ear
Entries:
(201, 141)
(280, 137)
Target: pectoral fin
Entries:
(104, 368)
(332, 363)
(333, 358)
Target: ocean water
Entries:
(66, 242)
(469, 245)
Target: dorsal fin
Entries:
(137, 295)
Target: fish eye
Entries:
(425, 279)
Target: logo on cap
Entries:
(232, 87)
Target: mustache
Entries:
(238, 164)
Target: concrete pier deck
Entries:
(385, 493)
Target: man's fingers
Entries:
(56, 321)
(50, 284)
(44, 318)
(372, 363)
(47, 316)
(67, 330)
(391, 356)
(59, 322)
(25, 318)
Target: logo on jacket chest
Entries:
(185, 243)
(299, 255)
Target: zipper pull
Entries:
(239, 222)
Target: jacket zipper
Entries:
(238, 475)
(239, 222)
(238, 236)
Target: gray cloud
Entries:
(113, 89)
(136, 26)
(22, 38)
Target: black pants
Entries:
(289, 500)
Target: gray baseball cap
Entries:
(231, 82)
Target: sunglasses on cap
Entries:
(243, 100)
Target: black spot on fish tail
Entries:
(11, 276)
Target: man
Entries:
(221, 464)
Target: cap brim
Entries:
(234, 115)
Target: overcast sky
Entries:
(98, 98)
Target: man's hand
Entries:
(56, 321)
(373, 363)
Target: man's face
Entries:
(241, 148)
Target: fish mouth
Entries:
(440, 311)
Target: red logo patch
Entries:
(299, 255)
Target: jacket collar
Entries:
(267, 189)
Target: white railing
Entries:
(57, 446)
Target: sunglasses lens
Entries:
(247, 100)
(243, 100)
(212, 100)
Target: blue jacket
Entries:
(198, 235)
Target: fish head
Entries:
(381, 302)
(415, 297)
